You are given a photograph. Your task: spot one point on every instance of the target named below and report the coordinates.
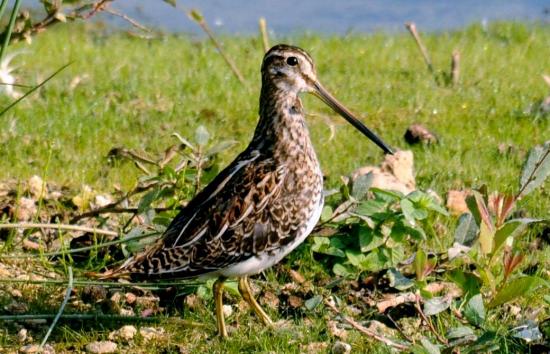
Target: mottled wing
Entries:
(225, 224)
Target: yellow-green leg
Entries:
(244, 289)
(218, 300)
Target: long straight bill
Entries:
(333, 103)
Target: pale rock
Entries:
(130, 298)
(227, 310)
(26, 209)
(456, 201)
(35, 348)
(22, 335)
(102, 200)
(396, 173)
(336, 331)
(149, 333)
(126, 333)
(101, 347)
(341, 348)
(37, 187)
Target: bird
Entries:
(263, 204)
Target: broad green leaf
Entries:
(326, 214)
(147, 199)
(341, 270)
(468, 282)
(535, 169)
(486, 238)
(386, 195)
(420, 262)
(459, 332)
(512, 228)
(398, 280)
(467, 230)
(514, 289)
(436, 305)
(356, 258)
(202, 135)
(361, 186)
(475, 310)
(429, 346)
(411, 212)
(323, 245)
(313, 302)
(369, 239)
(370, 207)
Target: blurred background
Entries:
(331, 17)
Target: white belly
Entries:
(256, 264)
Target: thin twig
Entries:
(532, 175)
(455, 67)
(60, 312)
(366, 330)
(83, 249)
(400, 330)
(439, 337)
(115, 210)
(411, 26)
(32, 225)
(107, 284)
(199, 19)
(263, 32)
(126, 18)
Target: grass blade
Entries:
(8, 31)
(34, 88)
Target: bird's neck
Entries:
(281, 129)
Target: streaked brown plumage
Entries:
(263, 204)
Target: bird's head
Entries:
(291, 71)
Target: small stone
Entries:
(35, 348)
(126, 312)
(192, 301)
(93, 293)
(16, 293)
(30, 245)
(130, 298)
(26, 209)
(295, 301)
(101, 347)
(271, 300)
(37, 187)
(227, 310)
(22, 335)
(126, 333)
(149, 333)
(315, 347)
(341, 348)
(297, 277)
(102, 200)
(116, 297)
(30, 348)
(418, 133)
(456, 201)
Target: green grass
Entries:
(135, 93)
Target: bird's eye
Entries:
(292, 61)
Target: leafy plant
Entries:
(495, 233)
(371, 234)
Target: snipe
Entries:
(260, 207)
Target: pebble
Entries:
(149, 333)
(126, 333)
(101, 347)
(35, 348)
(22, 335)
(341, 348)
